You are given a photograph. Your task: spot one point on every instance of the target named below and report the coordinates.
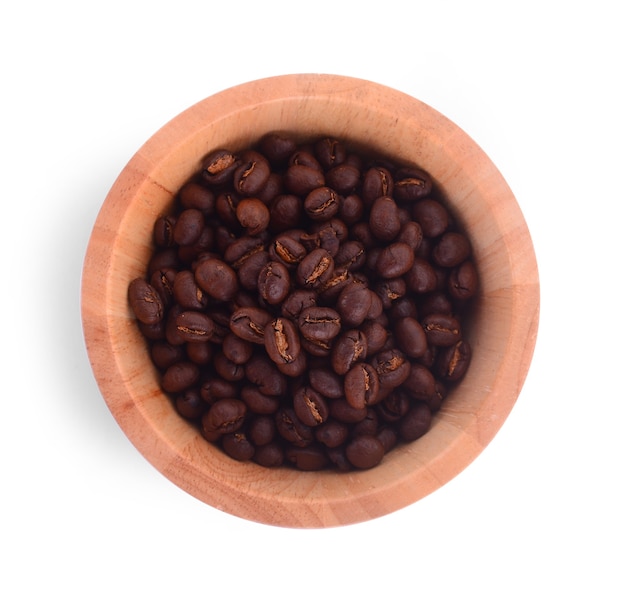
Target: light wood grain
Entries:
(503, 329)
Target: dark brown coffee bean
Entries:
(421, 277)
(315, 269)
(310, 406)
(377, 182)
(257, 402)
(349, 349)
(411, 184)
(416, 422)
(179, 377)
(435, 303)
(274, 282)
(441, 330)
(227, 369)
(394, 406)
(282, 341)
(390, 290)
(330, 152)
(237, 350)
(365, 452)
(392, 367)
(237, 446)
(218, 167)
(319, 323)
(287, 250)
(298, 301)
(270, 455)
(187, 293)
(321, 204)
(194, 326)
(190, 405)
(384, 219)
(311, 458)
(253, 215)
(217, 279)
(353, 304)
(332, 433)
(411, 234)
(163, 282)
(351, 209)
(200, 353)
(361, 385)
(277, 147)
(252, 173)
(463, 281)
(249, 324)
(193, 195)
(292, 429)
(163, 354)
(215, 388)
(188, 228)
(342, 411)
(395, 260)
(452, 249)
(225, 416)
(262, 430)
(239, 250)
(326, 381)
(145, 302)
(250, 270)
(302, 179)
(410, 337)
(286, 212)
(163, 231)
(453, 362)
(375, 334)
(263, 373)
(351, 255)
(421, 383)
(432, 216)
(343, 178)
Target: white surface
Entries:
(539, 517)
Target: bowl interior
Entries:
(502, 330)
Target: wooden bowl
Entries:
(502, 332)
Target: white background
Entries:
(538, 517)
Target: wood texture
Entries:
(502, 333)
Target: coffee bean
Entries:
(315, 269)
(282, 341)
(452, 249)
(353, 304)
(310, 406)
(384, 219)
(416, 422)
(377, 182)
(249, 324)
(392, 367)
(411, 337)
(145, 302)
(287, 250)
(252, 173)
(217, 279)
(237, 446)
(432, 217)
(365, 452)
(441, 330)
(179, 377)
(219, 166)
(411, 184)
(453, 362)
(225, 416)
(319, 323)
(463, 281)
(274, 282)
(361, 385)
(395, 260)
(321, 203)
(188, 228)
(194, 326)
(332, 433)
(349, 349)
(253, 215)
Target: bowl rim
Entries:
(294, 498)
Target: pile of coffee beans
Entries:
(304, 304)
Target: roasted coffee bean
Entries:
(332, 433)
(361, 385)
(237, 446)
(196, 196)
(303, 304)
(249, 324)
(194, 326)
(411, 184)
(253, 215)
(349, 349)
(252, 173)
(392, 367)
(432, 217)
(384, 219)
(188, 227)
(441, 330)
(217, 279)
(190, 405)
(274, 282)
(287, 250)
(145, 302)
(411, 337)
(310, 406)
(395, 260)
(451, 249)
(179, 377)
(353, 303)
(321, 204)
(282, 341)
(319, 323)
(453, 362)
(416, 422)
(225, 416)
(463, 281)
(377, 182)
(365, 452)
(163, 231)
(315, 269)
(218, 167)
